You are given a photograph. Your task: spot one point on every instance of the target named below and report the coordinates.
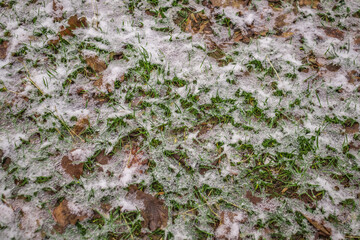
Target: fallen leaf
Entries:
(81, 125)
(253, 199)
(102, 158)
(57, 11)
(229, 224)
(357, 40)
(334, 33)
(3, 49)
(35, 138)
(5, 163)
(75, 22)
(354, 145)
(353, 76)
(280, 21)
(64, 31)
(96, 64)
(54, 42)
(155, 212)
(333, 67)
(116, 56)
(322, 230)
(230, 3)
(351, 128)
(74, 170)
(287, 34)
(1, 154)
(98, 82)
(196, 22)
(63, 216)
(312, 3)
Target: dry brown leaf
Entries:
(322, 230)
(136, 157)
(81, 125)
(357, 40)
(229, 222)
(75, 22)
(57, 11)
(353, 76)
(334, 33)
(351, 128)
(280, 21)
(230, 3)
(102, 158)
(194, 23)
(253, 199)
(155, 212)
(64, 217)
(3, 49)
(333, 67)
(96, 64)
(65, 32)
(5, 163)
(286, 34)
(74, 170)
(311, 3)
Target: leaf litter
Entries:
(179, 120)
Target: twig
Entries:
(33, 83)
(72, 133)
(273, 68)
(132, 237)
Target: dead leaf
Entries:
(286, 34)
(3, 49)
(65, 32)
(74, 170)
(102, 158)
(333, 67)
(57, 11)
(229, 222)
(237, 36)
(155, 212)
(311, 3)
(353, 76)
(230, 3)
(334, 33)
(1, 154)
(312, 60)
(116, 56)
(63, 216)
(96, 64)
(354, 145)
(35, 138)
(98, 82)
(214, 50)
(357, 40)
(280, 21)
(5, 163)
(75, 22)
(253, 199)
(196, 22)
(136, 157)
(54, 42)
(322, 230)
(351, 128)
(81, 125)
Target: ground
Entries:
(179, 119)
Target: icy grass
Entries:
(262, 132)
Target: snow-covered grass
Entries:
(239, 118)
